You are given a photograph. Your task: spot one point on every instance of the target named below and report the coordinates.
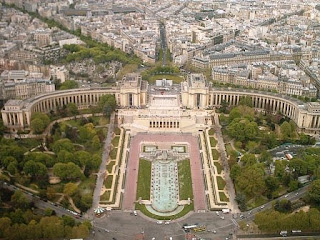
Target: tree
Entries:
(68, 221)
(280, 167)
(65, 157)
(5, 223)
(243, 129)
(35, 169)
(69, 84)
(241, 200)
(67, 171)
(37, 125)
(314, 192)
(307, 139)
(283, 205)
(107, 104)
(70, 189)
(248, 159)
(246, 101)
(87, 132)
(265, 157)
(63, 144)
(298, 167)
(39, 121)
(286, 130)
(96, 144)
(40, 157)
(251, 181)
(33, 230)
(72, 109)
(19, 200)
(2, 128)
(12, 167)
(272, 185)
(52, 227)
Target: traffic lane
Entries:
(290, 196)
(43, 204)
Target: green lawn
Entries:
(105, 196)
(213, 142)
(223, 197)
(215, 154)
(144, 180)
(113, 153)
(228, 149)
(110, 166)
(174, 78)
(29, 142)
(185, 184)
(219, 167)
(256, 202)
(211, 131)
(221, 183)
(117, 131)
(115, 141)
(86, 186)
(186, 209)
(108, 181)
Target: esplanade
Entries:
(140, 108)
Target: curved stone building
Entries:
(183, 108)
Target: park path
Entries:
(224, 160)
(102, 170)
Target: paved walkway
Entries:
(195, 163)
(224, 160)
(121, 177)
(102, 170)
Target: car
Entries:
(159, 222)
(214, 231)
(286, 195)
(135, 213)
(106, 230)
(217, 213)
(153, 238)
(222, 217)
(167, 222)
(262, 207)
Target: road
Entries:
(124, 225)
(44, 204)
(163, 43)
(249, 215)
(102, 169)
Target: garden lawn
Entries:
(184, 177)
(223, 197)
(213, 142)
(221, 183)
(218, 166)
(215, 154)
(144, 180)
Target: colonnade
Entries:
(82, 100)
(164, 123)
(268, 102)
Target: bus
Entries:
(189, 227)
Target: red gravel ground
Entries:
(133, 165)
